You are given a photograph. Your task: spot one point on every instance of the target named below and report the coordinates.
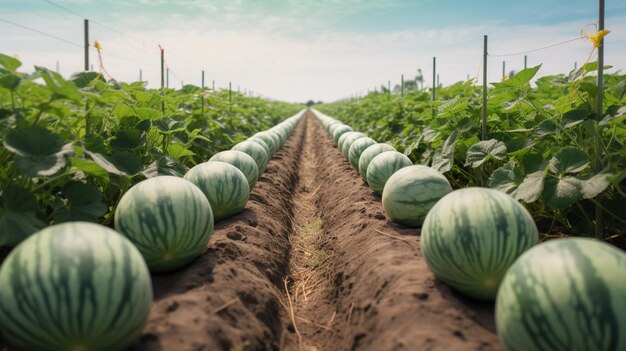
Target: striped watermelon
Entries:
(74, 286)
(383, 166)
(223, 184)
(242, 161)
(357, 148)
(411, 192)
(168, 219)
(269, 140)
(369, 153)
(260, 142)
(258, 154)
(348, 135)
(472, 236)
(347, 142)
(339, 131)
(565, 294)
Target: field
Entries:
(312, 262)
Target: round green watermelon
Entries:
(472, 236)
(74, 286)
(369, 153)
(339, 131)
(258, 141)
(357, 148)
(347, 142)
(269, 140)
(565, 294)
(168, 219)
(242, 161)
(383, 166)
(223, 184)
(348, 135)
(411, 192)
(255, 151)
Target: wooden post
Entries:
(525, 61)
(202, 95)
(402, 85)
(575, 65)
(86, 22)
(434, 82)
(167, 78)
(162, 77)
(58, 67)
(212, 85)
(484, 111)
(599, 112)
(503, 70)
(389, 88)
(230, 93)
(140, 75)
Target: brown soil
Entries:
(312, 264)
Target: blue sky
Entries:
(296, 50)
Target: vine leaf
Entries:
(37, 151)
(485, 150)
(18, 218)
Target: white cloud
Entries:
(286, 56)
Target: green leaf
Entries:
(18, 217)
(521, 78)
(83, 79)
(442, 159)
(573, 118)
(128, 139)
(80, 202)
(9, 63)
(37, 151)
(178, 151)
(569, 160)
(165, 165)
(430, 134)
(506, 178)
(59, 86)
(595, 185)
(560, 193)
(531, 187)
(485, 150)
(121, 163)
(10, 81)
(546, 127)
(90, 167)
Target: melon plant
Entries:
(168, 219)
(411, 192)
(472, 236)
(223, 184)
(254, 150)
(383, 166)
(74, 286)
(369, 153)
(242, 161)
(565, 294)
(357, 148)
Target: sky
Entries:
(297, 50)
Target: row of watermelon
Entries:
(566, 294)
(81, 286)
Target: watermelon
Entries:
(565, 294)
(357, 148)
(254, 150)
(383, 166)
(345, 136)
(74, 286)
(347, 142)
(223, 184)
(260, 142)
(472, 236)
(369, 153)
(339, 131)
(269, 140)
(411, 192)
(168, 219)
(242, 161)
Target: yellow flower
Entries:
(596, 38)
(97, 45)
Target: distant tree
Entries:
(310, 103)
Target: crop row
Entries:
(564, 294)
(71, 148)
(544, 145)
